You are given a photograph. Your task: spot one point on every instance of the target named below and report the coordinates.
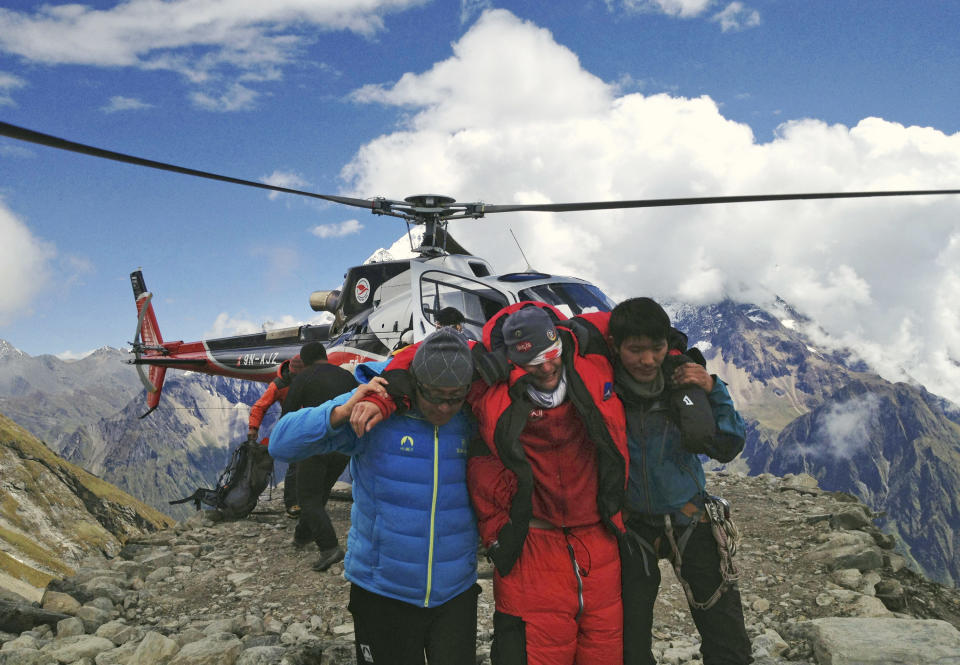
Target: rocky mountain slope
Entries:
(895, 446)
(892, 446)
(53, 514)
(52, 397)
(179, 447)
(88, 411)
(818, 581)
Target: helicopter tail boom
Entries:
(147, 342)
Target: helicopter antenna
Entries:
(529, 267)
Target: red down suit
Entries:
(547, 486)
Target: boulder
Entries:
(881, 641)
(18, 617)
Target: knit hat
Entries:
(296, 364)
(528, 333)
(311, 352)
(443, 360)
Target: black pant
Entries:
(723, 635)
(290, 486)
(391, 632)
(315, 478)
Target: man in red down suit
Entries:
(547, 483)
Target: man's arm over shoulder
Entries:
(308, 432)
(731, 430)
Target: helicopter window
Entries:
(571, 298)
(479, 269)
(475, 300)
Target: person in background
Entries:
(450, 316)
(275, 393)
(316, 383)
(412, 548)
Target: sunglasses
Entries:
(436, 398)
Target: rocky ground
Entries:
(820, 585)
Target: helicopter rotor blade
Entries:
(22, 134)
(407, 210)
(705, 200)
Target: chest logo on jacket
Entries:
(406, 444)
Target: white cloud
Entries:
(70, 356)
(204, 40)
(14, 150)
(846, 427)
(470, 8)
(285, 179)
(679, 8)
(346, 228)
(878, 274)
(8, 83)
(235, 97)
(226, 325)
(73, 269)
(24, 266)
(736, 16)
(121, 103)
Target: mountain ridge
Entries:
(54, 513)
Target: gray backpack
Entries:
(239, 487)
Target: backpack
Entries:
(238, 489)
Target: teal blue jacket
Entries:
(663, 474)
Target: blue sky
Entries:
(519, 102)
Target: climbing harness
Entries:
(716, 511)
(727, 535)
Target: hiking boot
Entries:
(328, 558)
(293, 512)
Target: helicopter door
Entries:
(436, 289)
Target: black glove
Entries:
(690, 406)
(492, 366)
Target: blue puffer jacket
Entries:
(663, 475)
(413, 534)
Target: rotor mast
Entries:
(433, 211)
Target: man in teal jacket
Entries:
(667, 499)
(412, 546)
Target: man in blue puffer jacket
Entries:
(412, 547)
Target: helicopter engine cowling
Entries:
(325, 301)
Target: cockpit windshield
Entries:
(571, 298)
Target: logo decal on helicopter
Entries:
(362, 290)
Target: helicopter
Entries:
(383, 305)
(380, 307)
